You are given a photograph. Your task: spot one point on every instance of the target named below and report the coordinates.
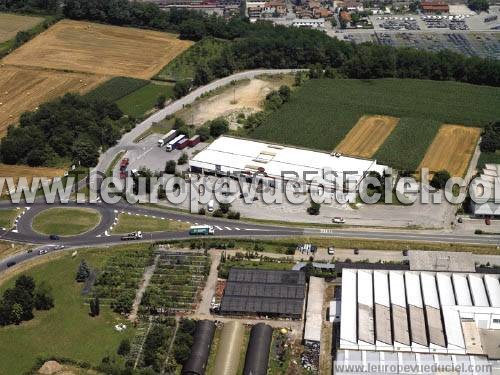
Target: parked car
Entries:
(487, 220)
(54, 237)
(338, 220)
(356, 251)
(331, 250)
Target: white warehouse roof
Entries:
(417, 311)
(235, 155)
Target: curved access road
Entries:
(127, 141)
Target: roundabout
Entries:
(66, 221)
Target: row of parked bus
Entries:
(174, 141)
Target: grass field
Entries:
(7, 217)
(66, 221)
(116, 88)
(100, 49)
(322, 112)
(131, 223)
(67, 330)
(490, 157)
(451, 149)
(141, 101)
(24, 89)
(10, 248)
(184, 65)
(11, 24)
(365, 138)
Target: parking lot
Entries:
(147, 154)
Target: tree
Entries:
(203, 132)
(478, 5)
(160, 101)
(202, 75)
(224, 207)
(16, 313)
(170, 167)
(314, 208)
(439, 179)
(179, 123)
(218, 127)
(182, 159)
(181, 88)
(95, 308)
(124, 348)
(285, 93)
(43, 297)
(85, 153)
(26, 283)
(83, 272)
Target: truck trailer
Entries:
(201, 230)
(173, 143)
(194, 140)
(132, 236)
(182, 144)
(167, 138)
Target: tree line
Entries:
(264, 45)
(71, 128)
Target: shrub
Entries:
(218, 213)
(439, 179)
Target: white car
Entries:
(43, 251)
(338, 220)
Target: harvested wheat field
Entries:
(23, 89)
(365, 138)
(16, 171)
(100, 49)
(451, 149)
(11, 24)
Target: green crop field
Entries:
(116, 88)
(139, 102)
(321, 112)
(67, 330)
(184, 65)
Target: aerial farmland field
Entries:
(100, 49)
(11, 24)
(365, 138)
(451, 149)
(24, 89)
(321, 113)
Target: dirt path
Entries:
(148, 273)
(139, 352)
(209, 290)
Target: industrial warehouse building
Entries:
(233, 156)
(264, 292)
(487, 180)
(418, 317)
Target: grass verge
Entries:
(131, 223)
(143, 100)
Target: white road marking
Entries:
(219, 228)
(227, 228)
(237, 228)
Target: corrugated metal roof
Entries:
(461, 287)
(413, 290)
(381, 288)
(348, 321)
(397, 285)
(429, 290)
(493, 288)
(445, 287)
(478, 291)
(365, 287)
